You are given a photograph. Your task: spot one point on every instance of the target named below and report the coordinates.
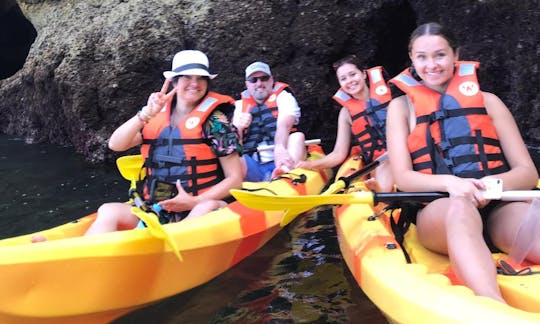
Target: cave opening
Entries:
(393, 38)
(17, 34)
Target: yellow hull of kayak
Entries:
(76, 279)
(421, 292)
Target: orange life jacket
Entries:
(453, 132)
(368, 117)
(179, 152)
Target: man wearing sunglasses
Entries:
(267, 114)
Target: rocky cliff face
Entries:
(94, 62)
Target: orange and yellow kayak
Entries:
(75, 279)
(423, 291)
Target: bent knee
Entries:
(462, 210)
(297, 137)
(205, 207)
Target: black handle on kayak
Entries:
(368, 168)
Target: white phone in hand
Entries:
(494, 188)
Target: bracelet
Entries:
(141, 119)
(145, 114)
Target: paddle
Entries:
(338, 185)
(262, 201)
(130, 167)
(344, 182)
(261, 148)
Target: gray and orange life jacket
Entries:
(368, 117)
(264, 117)
(453, 132)
(179, 152)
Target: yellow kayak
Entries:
(423, 291)
(75, 279)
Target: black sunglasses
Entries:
(263, 78)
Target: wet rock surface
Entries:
(93, 63)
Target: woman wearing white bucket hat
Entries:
(189, 62)
(203, 159)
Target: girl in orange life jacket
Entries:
(361, 121)
(450, 96)
(188, 111)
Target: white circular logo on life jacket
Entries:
(192, 122)
(381, 90)
(272, 97)
(468, 88)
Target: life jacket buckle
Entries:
(445, 145)
(438, 115)
(449, 162)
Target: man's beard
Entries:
(261, 96)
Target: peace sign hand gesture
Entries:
(157, 100)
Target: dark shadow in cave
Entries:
(16, 36)
(399, 21)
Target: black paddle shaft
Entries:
(365, 170)
(388, 197)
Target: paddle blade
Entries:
(290, 215)
(335, 187)
(157, 230)
(130, 167)
(260, 201)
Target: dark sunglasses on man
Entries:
(263, 78)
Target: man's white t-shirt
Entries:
(287, 105)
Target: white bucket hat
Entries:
(189, 62)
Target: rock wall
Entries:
(94, 62)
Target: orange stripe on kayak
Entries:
(253, 225)
(300, 188)
(452, 276)
(369, 242)
(317, 148)
(324, 176)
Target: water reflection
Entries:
(298, 277)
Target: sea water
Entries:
(297, 277)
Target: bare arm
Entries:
(283, 128)
(341, 146)
(128, 134)
(231, 165)
(522, 174)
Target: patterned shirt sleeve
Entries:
(219, 130)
